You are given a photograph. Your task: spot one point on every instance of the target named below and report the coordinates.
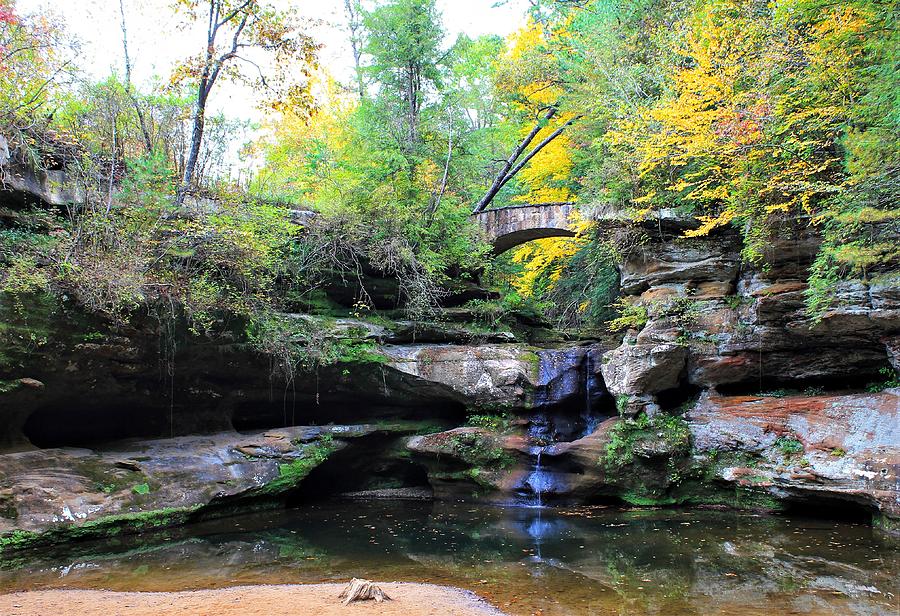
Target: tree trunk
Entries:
(436, 197)
(501, 178)
(196, 140)
(536, 149)
(148, 143)
(362, 590)
(412, 114)
(352, 9)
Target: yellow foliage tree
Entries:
(739, 135)
(528, 75)
(544, 260)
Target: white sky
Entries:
(156, 42)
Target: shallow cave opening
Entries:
(848, 383)
(671, 399)
(830, 509)
(18, 200)
(256, 416)
(77, 425)
(370, 463)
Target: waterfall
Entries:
(591, 421)
(540, 481)
(567, 376)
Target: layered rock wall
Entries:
(715, 323)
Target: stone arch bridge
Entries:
(508, 227)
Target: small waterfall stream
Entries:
(551, 425)
(591, 419)
(539, 480)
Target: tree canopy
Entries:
(739, 114)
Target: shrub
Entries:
(788, 445)
(631, 316)
(494, 423)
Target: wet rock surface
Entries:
(151, 483)
(495, 376)
(838, 448)
(767, 453)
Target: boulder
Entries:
(636, 369)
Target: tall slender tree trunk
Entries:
(352, 8)
(199, 122)
(148, 142)
(412, 112)
(511, 167)
(501, 177)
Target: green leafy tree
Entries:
(403, 41)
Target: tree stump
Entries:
(362, 590)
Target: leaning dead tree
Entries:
(362, 590)
(516, 162)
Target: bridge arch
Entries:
(509, 227)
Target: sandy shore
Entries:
(311, 599)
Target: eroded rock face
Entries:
(713, 322)
(728, 324)
(21, 183)
(835, 447)
(151, 483)
(495, 376)
(87, 382)
(681, 262)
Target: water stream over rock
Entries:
(570, 371)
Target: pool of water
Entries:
(523, 560)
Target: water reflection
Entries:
(570, 561)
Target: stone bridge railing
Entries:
(508, 227)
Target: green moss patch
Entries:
(291, 474)
(663, 435)
(481, 450)
(108, 526)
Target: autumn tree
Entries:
(33, 60)
(745, 115)
(237, 33)
(529, 77)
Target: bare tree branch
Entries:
(537, 149)
(501, 178)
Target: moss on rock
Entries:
(107, 526)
